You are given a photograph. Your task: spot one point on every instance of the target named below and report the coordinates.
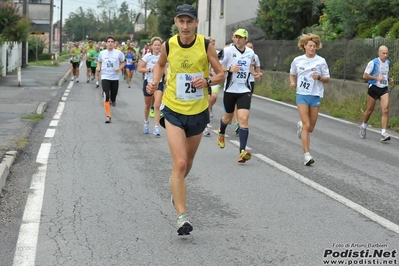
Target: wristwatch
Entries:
(319, 77)
(208, 81)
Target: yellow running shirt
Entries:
(185, 64)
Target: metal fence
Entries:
(347, 59)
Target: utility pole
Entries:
(145, 15)
(24, 41)
(51, 26)
(60, 39)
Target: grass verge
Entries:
(351, 108)
(34, 117)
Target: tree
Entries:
(13, 27)
(167, 11)
(285, 19)
(345, 15)
(124, 21)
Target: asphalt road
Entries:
(100, 194)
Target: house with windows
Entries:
(38, 12)
(220, 18)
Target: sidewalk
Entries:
(38, 86)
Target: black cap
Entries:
(186, 10)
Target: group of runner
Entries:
(192, 71)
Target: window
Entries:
(221, 8)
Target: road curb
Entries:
(5, 167)
(64, 78)
(41, 108)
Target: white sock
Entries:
(307, 153)
(364, 125)
(383, 131)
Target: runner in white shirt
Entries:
(110, 63)
(308, 73)
(256, 66)
(376, 73)
(238, 61)
(146, 67)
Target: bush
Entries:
(45, 56)
(385, 25)
(394, 32)
(364, 30)
(32, 47)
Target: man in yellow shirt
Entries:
(185, 114)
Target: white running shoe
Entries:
(146, 127)
(206, 132)
(299, 131)
(362, 132)
(156, 131)
(308, 159)
(184, 226)
(385, 137)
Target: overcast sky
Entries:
(73, 5)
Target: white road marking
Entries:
(59, 111)
(50, 133)
(237, 143)
(354, 206)
(25, 252)
(54, 123)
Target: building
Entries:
(40, 14)
(220, 18)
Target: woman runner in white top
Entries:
(146, 67)
(308, 73)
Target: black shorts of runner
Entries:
(191, 124)
(110, 87)
(75, 65)
(252, 84)
(243, 101)
(93, 70)
(376, 92)
(145, 93)
(88, 64)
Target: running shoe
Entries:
(220, 140)
(92, 78)
(88, 80)
(113, 104)
(385, 137)
(362, 132)
(128, 86)
(72, 79)
(156, 131)
(77, 80)
(146, 128)
(184, 226)
(97, 85)
(299, 131)
(108, 120)
(244, 156)
(206, 132)
(237, 129)
(152, 114)
(308, 159)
